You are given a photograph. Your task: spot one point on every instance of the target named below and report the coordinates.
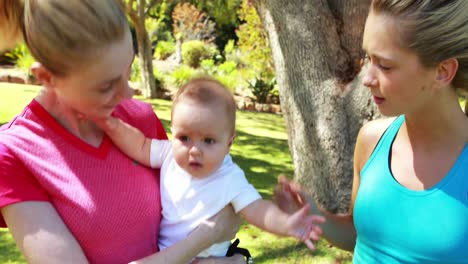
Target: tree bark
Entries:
(316, 46)
(144, 48)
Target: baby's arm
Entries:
(267, 216)
(128, 139)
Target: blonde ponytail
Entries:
(11, 23)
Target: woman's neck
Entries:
(442, 121)
(72, 121)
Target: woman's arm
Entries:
(221, 227)
(40, 233)
(339, 228)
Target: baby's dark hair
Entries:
(208, 91)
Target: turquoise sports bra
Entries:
(398, 225)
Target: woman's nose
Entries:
(369, 79)
(125, 91)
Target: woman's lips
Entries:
(378, 100)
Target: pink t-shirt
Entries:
(110, 203)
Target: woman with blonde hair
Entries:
(67, 194)
(409, 200)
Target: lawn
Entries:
(260, 148)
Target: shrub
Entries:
(193, 52)
(182, 75)
(253, 42)
(231, 52)
(208, 66)
(231, 81)
(159, 79)
(227, 67)
(135, 71)
(21, 56)
(25, 62)
(191, 24)
(261, 88)
(164, 49)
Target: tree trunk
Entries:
(144, 49)
(178, 51)
(316, 46)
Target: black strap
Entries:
(233, 249)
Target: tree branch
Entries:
(150, 5)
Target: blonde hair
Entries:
(208, 91)
(435, 30)
(61, 33)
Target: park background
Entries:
(223, 39)
(294, 68)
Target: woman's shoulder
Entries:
(373, 130)
(368, 137)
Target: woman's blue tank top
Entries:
(398, 225)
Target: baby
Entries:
(198, 176)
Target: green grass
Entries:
(260, 148)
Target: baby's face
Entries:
(201, 137)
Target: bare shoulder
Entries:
(368, 137)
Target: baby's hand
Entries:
(108, 124)
(304, 227)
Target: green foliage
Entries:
(261, 88)
(158, 79)
(182, 74)
(193, 52)
(224, 14)
(159, 21)
(10, 254)
(191, 24)
(226, 72)
(208, 66)
(21, 57)
(230, 81)
(135, 71)
(253, 42)
(227, 67)
(25, 62)
(164, 49)
(260, 149)
(230, 51)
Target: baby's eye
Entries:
(209, 141)
(184, 138)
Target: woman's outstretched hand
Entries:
(289, 196)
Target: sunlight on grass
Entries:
(260, 149)
(9, 254)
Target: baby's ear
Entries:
(231, 140)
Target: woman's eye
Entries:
(106, 89)
(385, 68)
(209, 141)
